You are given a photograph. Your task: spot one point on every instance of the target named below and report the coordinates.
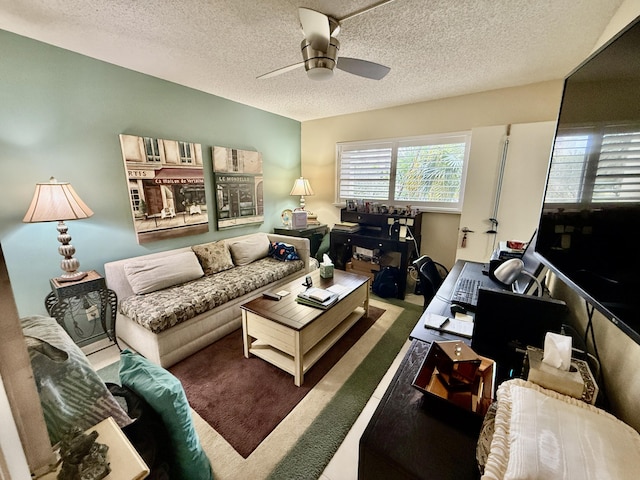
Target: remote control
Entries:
(271, 296)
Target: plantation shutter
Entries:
(365, 172)
(596, 167)
(618, 173)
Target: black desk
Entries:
(411, 436)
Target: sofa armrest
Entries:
(302, 245)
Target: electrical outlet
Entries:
(92, 313)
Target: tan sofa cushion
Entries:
(249, 249)
(149, 275)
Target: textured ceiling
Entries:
(435, 48)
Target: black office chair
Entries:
(431, 275)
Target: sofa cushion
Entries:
(160, 310)
(249, 249)
(164, 392)
(149, 275)
(214, 257)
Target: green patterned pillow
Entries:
(214, 257)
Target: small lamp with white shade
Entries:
(303, 188)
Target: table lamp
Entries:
(58, 201)
(303, 188)
(509, 271)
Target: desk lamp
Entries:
(509, 271)
(58, 201)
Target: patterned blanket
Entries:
(162, 309)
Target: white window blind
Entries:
(365, 171)
(595, 167)
(426, 172)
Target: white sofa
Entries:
(167, 311)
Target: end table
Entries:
(313, 232)
(77, 307)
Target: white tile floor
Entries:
(344, 464)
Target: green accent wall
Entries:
(61, 114)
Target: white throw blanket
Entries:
(541, 434)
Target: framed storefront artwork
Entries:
(167, 192)
(238, 185)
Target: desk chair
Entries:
(431, 275)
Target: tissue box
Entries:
(326, 270)
(568, 382)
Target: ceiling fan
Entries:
(320, 49)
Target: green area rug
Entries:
(313, 451)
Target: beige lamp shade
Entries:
(303, 188)
(55, 201)
(58, 201)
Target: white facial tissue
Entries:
(557, 351)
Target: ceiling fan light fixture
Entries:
(320, 73)
(319, 65)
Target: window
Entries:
(426, 172)
(134, 192)
(185, 153)
(595, 166)
(152, 149)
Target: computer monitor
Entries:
(506, 323)
(524, 284)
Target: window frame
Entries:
(395, 144)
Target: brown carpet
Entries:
(244, 399)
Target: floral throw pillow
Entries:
(283, 251)
(214, 257)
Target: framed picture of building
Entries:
(167, 193)
(238, 185)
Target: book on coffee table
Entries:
(317, 297)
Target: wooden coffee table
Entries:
(294, 337)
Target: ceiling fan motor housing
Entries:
(319, 65)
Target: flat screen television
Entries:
(591, 204)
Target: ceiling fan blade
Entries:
(315, 26)
(282, 70)
(363, 68)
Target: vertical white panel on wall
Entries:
(524, 179)
(482, 174)
(521, 191)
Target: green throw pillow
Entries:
(166, 396)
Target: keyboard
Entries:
(465, 292)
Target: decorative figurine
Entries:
(82, 457)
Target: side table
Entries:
(313, 232)
(77, 306)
